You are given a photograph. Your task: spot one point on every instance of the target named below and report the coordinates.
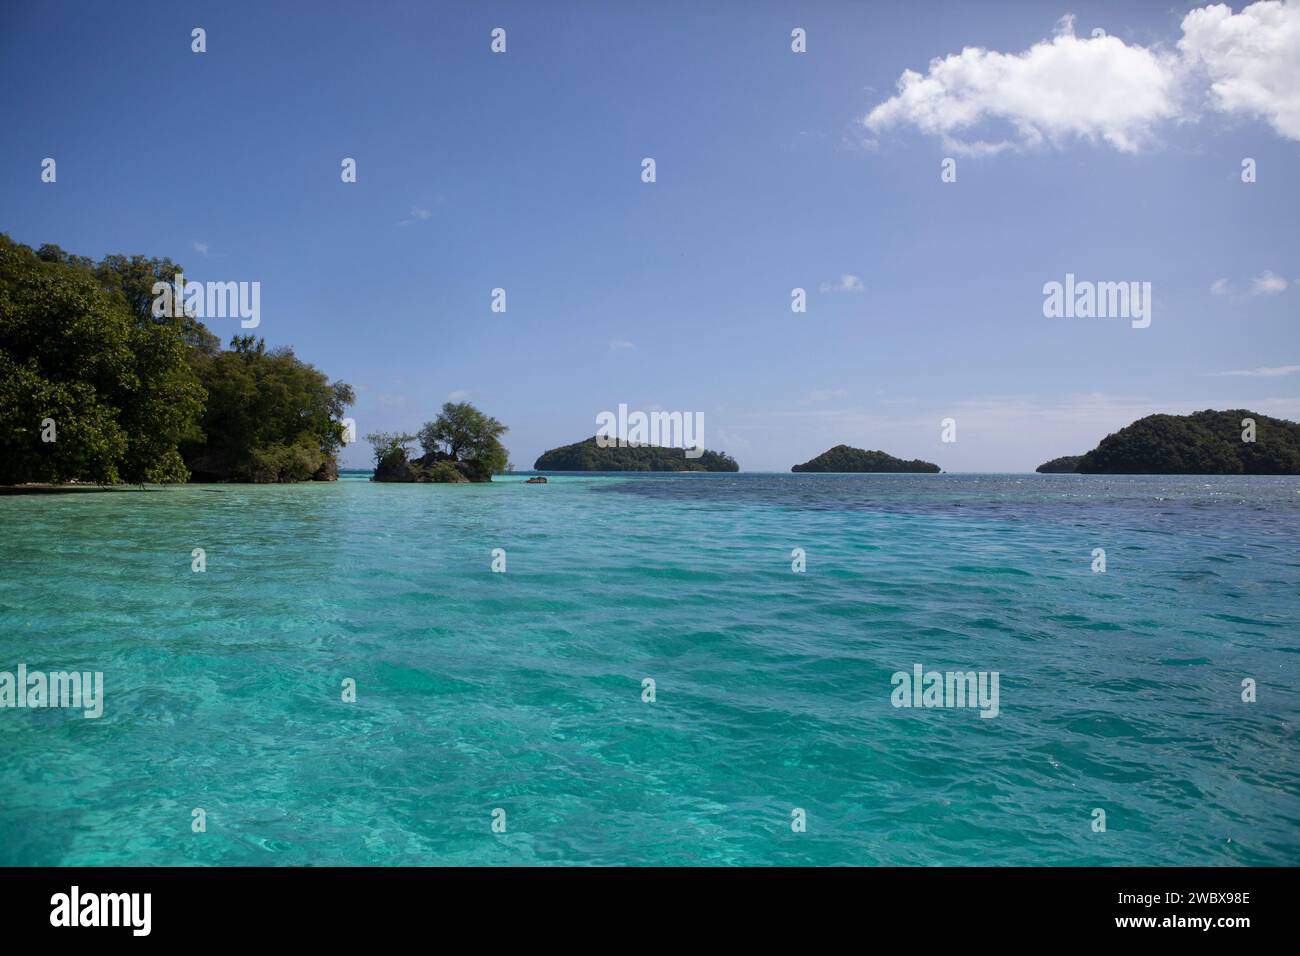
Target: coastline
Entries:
(520, 477)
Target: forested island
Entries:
(843, 458)
(586, 455)
(95, 388)
(1233, 442)
(1066, 464)
(461, 445)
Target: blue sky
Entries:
(522, 171)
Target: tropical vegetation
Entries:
(1232, 442)
(96, 388)
(461, 445)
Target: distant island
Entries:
(843, 458)
(586, 455)
(99, 386)
(1233, 442)
(1066, 464)
(462, 445)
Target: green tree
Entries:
(270, 417)
(462, 431)
(117, 387)
(392, 456)
(467, 435)
(135, 278)
(130, 395)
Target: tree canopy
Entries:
(269, 416)
(116, 387)
(466, 434)
(127, 396)
(461, 444)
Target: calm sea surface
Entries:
(523, 691)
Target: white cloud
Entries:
(1103, 89)
(1062, 88)
(457, 395)
(845, 283)
(1267, 283)
(1252, 59)
(825, 395)
(417, 213)
(1264, 371)
(199, 247)
(620, 345)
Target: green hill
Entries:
(844, 458)
(586, 455)
(1203, 443)
(1066, 464)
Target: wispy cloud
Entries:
(1264, 371)
(417, 214)
(200, 247)
(1267, 283)
(457, 395)
(824, 395)
(730, 442)
(845, 283)
(621, 345)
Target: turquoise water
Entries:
(522, 691)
